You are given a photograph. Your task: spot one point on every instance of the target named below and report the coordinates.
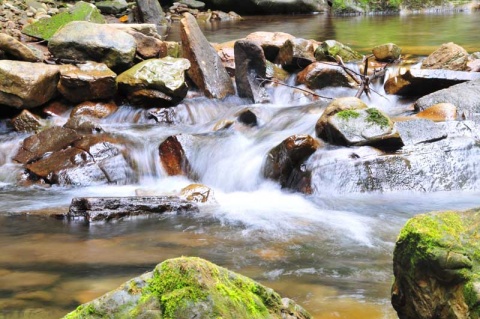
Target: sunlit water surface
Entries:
(332, 254)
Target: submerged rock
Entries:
(448, 57)
(436, 265)
(26, 85)
(207, 70)
(190, 287)
(46, 28)
(93, 209)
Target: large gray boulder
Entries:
(464, 96)
(150, 11)
(436, 263)
(26, 85)
(190, 287)
(85, 41)
(268, 6)
(207, 70)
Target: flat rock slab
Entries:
(109, 208)
(419, 131)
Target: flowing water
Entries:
(331, 253)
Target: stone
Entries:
(329, 49)
(173, 157)
(319, 75)
(83, 124)
(49, 140)
(387, 52)
(247, 117)
(296, 54)
(436, 266)
(439, 112)
(85, 41)
(337, 105)
(148, 29)
(449, 56)
(283, 162)
(194, 4)
(276, 73)
(250, 71)
(263, 7)
(419, 131)
(27, 122)
(149, 47)
(92, 209)
(87, 81)
(97, 110)
(197, 193)
(26, 85)
(271, 42)
(464, 96)
(416, 82)
(150, 11)
(46, 28)
(189, 287)
(166, 75)
(227, 54)
(112, 7)
(207, 70)
(16, 50)
(359, 127)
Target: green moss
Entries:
(46, 28)
(377, 117)
(348, 114)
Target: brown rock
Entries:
(337, 105)
(49, 140)
(16, 50)
(197, 193)
(387, 52)
(88, 81)
(149, 47)
(83, 124)
(56, 108)
(448, 57)
(57, 161)
(207, 70)
(173, 158)
(271, 42)
(296, 54)
(26, 122)
(319, 75)
(439, 112)
(97, 110)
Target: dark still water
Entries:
(415, 34)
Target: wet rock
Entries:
(16, 50)
(56, 108)
(319, 75)
(195, 282)
(464, 96)
(436, 266)
(27, 122)
(174, 49)
(439, 112)
(387, 52)
(150, 11)
(97, 110)
(227, 54)
(112, 7)
(247, 117)
(284, 162)
(328, 50)
(85, 41)
(448, 57)
(83, 124)
(444, 165)
(207, 71)
(149, 47)
(94, 209)
(173, 157)
(50, 140)
(296, 54)
(271, 42)
(359, 127)
(416, 82)
(197, 193)
(167, 76)
(276, 73)
(419, 131)
(46, 28)
(337, 105)
(87, 81)
(26, 85)
(250, 71)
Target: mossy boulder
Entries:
(46, 28)
(436, 265)
(189, 287)
(329, 49)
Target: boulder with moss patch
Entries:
(437, 267)
(190, 287)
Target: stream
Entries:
(331, 253)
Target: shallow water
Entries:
(332, 254)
